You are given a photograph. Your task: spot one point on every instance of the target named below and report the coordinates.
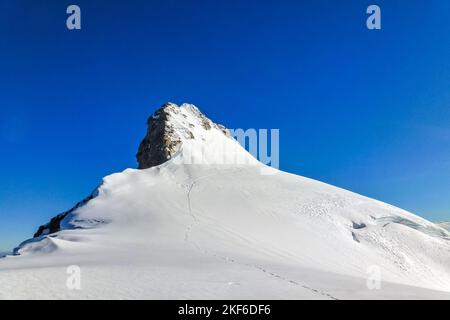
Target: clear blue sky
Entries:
(365, 110)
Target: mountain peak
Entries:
(171, 126)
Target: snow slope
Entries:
(444, 225)
(200, 227)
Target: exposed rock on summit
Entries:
(168, 128)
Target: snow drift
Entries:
(199, 220)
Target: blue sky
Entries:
(365, 110)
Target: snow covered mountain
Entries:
(199, 220)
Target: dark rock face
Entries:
(55, 223)
(358, 225)
(51, 227)
(160, 142)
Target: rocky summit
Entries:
(167, 128)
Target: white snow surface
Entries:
(222, 230)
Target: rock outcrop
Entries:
(55, 223)
(167, 128)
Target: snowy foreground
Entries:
(218, 231)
